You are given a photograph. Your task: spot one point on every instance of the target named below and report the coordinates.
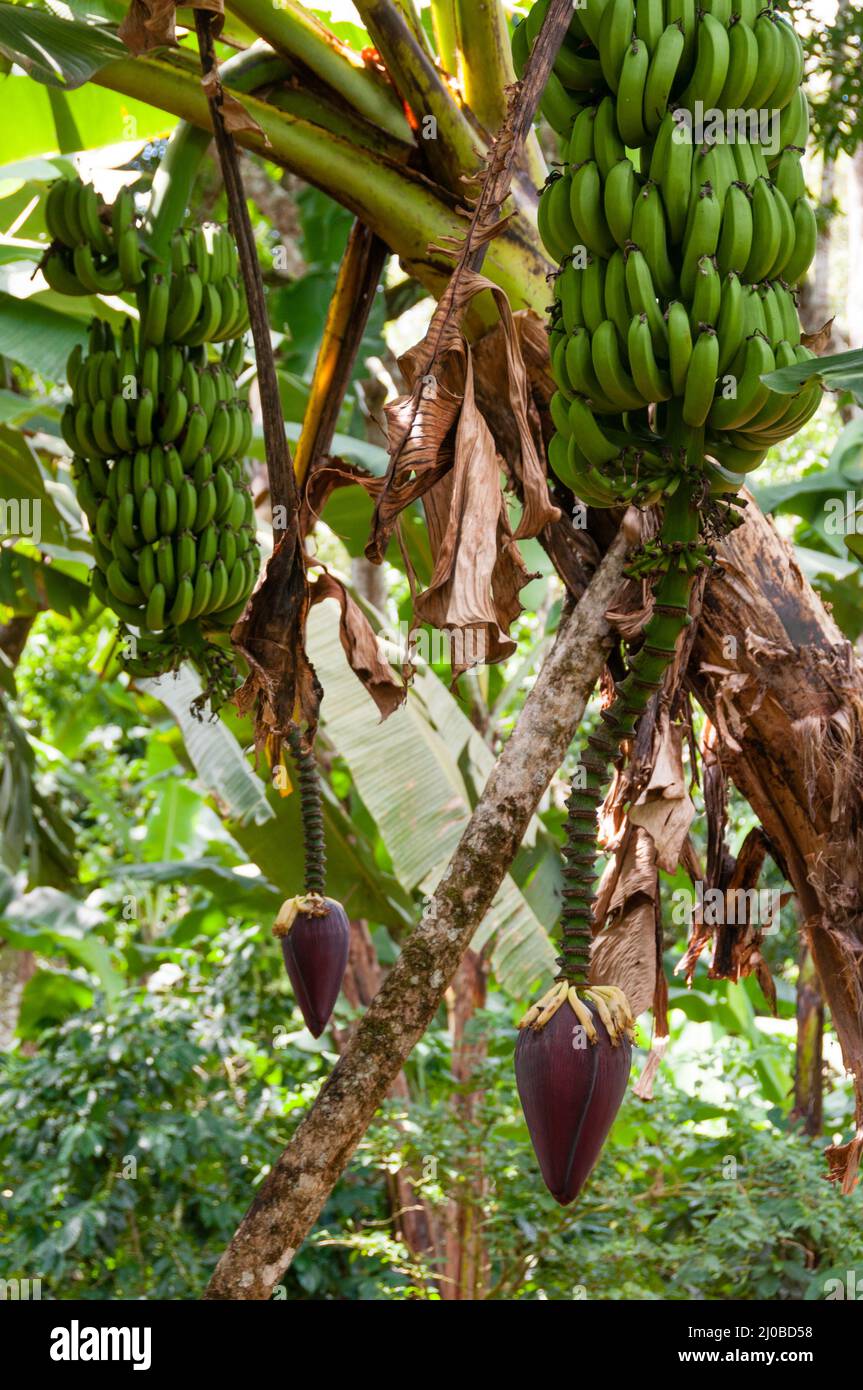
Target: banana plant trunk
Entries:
(788, 704)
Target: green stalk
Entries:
(485, 59)
(175, 177)
(173, 182)
(446, 33)
(414, 23)
(397, 203)
(451, 145)
(680, 531)
(485, 69)
(292, 30)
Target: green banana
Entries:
(614, 380)
(701, 378)
(630, 94)
(667, 56)
(642, 297)
(701, 237)
(608, 147)
(707, 295)
(733, 411)
(679, 345)
(766, 232)
(806, 239)
(711, 65)
(649, 232)
(585, 205)
(650, 381)
(771, 58)
(731, 326)
(621, 189)
(735, 237)
(742, 66)
(613, 39)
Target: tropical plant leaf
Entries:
(408, 777)
(57, 52)
(53, 923)
(38, 336)
(217, 757)
(843, 371)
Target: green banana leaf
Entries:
(407, 774)
(54, 51)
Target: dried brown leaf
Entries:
(843, 1162)
(420, 424)
(624, 952)
(281, 688)
(361, 646)
(152, 23)
(664, 808)
(819, 340)
(472, 589)
(233, 112)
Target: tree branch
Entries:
(291, 1198)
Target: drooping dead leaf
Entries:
(624, 952)
(361, 646)
(152, 23)
(733, 915)
(477, 569)
(843, 1162)
(664, 808)
(281, 688)
(421, 425)
(326, 475)
(234, 114)
(820, 338)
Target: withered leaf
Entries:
(664, 808)
(819, 339)
(152, 23)
(624, 952)
(843, 1162)
(281, 688)
(361, 646)
(472, 558)
(420, 424)
(234, 114)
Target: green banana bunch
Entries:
(680, 257)
(95, 249)
(157, 429)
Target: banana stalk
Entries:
(447, 138)
(402, 207)
(295, 32)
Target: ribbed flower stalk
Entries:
(677, 546)
(311, 811)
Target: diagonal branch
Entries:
(294, 1193)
